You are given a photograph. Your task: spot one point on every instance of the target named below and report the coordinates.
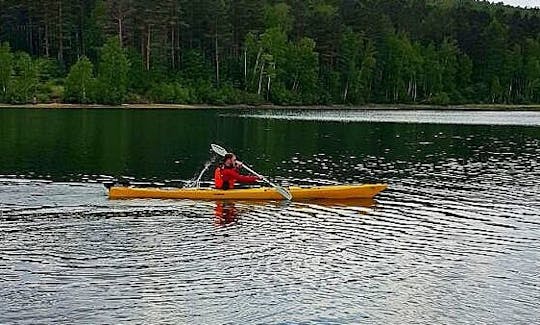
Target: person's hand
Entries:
(239, 164)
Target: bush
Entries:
(251, 99)
(170, 93)
(282, 96)
(50, 91)
(133, 98)
(441, 98)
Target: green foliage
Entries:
(279, 16)
(301, 68)
(80, 81)
(25, 79)
(195, 68)
(171, 93)
(113, 70)
(284, 52)
(6, 69)
(50, 91)
(441, 98)
(357, 59)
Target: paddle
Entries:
(281, 190)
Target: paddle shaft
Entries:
(260, 176)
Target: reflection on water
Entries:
(226, 213)
(464, 117)
(455, 240)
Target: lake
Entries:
(454, 240)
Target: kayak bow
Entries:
(366, 191)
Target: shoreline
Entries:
(397, 107)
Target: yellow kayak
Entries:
(366, 191)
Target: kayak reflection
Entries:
(364, 203)
(227, 212)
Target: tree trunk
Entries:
(173, 52)
(29, 34)
(260, 79)
(148, 34)
(120, 30)
(268, 89)
(82, 50)
(257, 62)
(143, 49)
(47, 44)
(346, 91)
(245, 67)
(178, 46)
(217, 59)
(60, 54)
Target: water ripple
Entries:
(450, 237)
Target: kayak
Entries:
(366, 191)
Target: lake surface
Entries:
(455, 240)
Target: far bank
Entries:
(155, 106)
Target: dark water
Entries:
(456, 239)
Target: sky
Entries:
(521, 3)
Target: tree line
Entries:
(255, 51)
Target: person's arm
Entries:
(234, 174)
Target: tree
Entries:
(6, 69)
(303, 69)
(120, 12)
(495, 72)
(25, 78)
(403, 68)
(356, 63)
(294, 51)
(112, 73)
(348, 62)
(532, 70)
(279, 16)
(448, 60)
(266, 54)
(325, 26)
(79, 81)
(219, 30)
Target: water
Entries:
(455, 240)
(524, 118)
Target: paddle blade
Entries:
(284, 192)
(219, 150)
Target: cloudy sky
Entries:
(522, 3)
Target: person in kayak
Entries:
(228, 173)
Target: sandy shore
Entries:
(468, 107)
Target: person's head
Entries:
(229, 160)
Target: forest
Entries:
(312, 52)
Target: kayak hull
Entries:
(366, 191)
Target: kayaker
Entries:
(228, 173)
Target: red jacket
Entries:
(225, 178)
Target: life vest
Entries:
(220, 182)
(218, 178)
